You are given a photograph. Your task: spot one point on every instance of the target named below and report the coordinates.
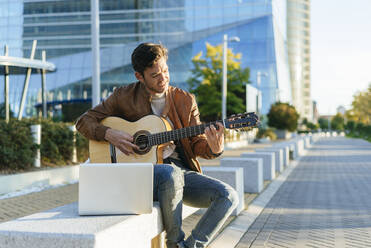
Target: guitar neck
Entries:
(165, 137)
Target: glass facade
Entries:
(62, 29)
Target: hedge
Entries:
(56, 143)
(17, 150)
(358, 130)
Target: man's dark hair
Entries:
(146, 54)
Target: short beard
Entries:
(151, 89)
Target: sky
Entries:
(340, 52)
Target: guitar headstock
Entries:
(242, 121)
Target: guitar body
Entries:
(99, 151)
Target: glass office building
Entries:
(62, 29)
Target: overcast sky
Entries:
(340, 50)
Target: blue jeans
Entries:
(173, 185)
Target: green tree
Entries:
(283, 116)
(206, 82)
(323, 123)
(312, 126)
(361, 107)
(337, 122)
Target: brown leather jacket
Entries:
(132, 102)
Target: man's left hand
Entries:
(215, 138)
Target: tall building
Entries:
(298, 37)
(62, 28)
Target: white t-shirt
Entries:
(158, 105)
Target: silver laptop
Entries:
(122, 188)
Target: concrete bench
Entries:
(300, 146)
(278, 156)
(63, 227)
(293, 146)
(293, 154)
(286, 153)
(232, 176)
(252, 172)
(307, 143)
(269, 163)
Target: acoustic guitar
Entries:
(152, 133)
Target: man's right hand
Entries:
(121, 140)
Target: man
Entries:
(179, 179)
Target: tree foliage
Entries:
(361, 107)
(283, 116)
(323, 123)
(206, 82)
(337, 122)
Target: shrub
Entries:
(312, 127)
(350, 126)
(269, 132)
(82, 147)
(17, 149)
(56, 142)
(283, 116)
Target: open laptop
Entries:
(120, 188)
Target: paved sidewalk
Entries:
(19, 206)
(325, 201)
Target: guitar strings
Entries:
(173, 134)
(163, 137)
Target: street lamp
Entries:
(95, 45)
(259, 74)
(224, 88)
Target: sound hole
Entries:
(141, 140)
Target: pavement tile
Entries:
(323, 203)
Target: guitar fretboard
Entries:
(164, 137)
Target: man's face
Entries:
(155, 78)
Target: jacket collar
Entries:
(146, 95)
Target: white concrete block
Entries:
(269, 163)
(63, 227)
(278, 151)
(286, 154)
(291, 149)
(301, 147)
(232, 176)
(294, 148)
(252, 171)
(310, 135)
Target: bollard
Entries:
(74, 152)
(36, 134)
